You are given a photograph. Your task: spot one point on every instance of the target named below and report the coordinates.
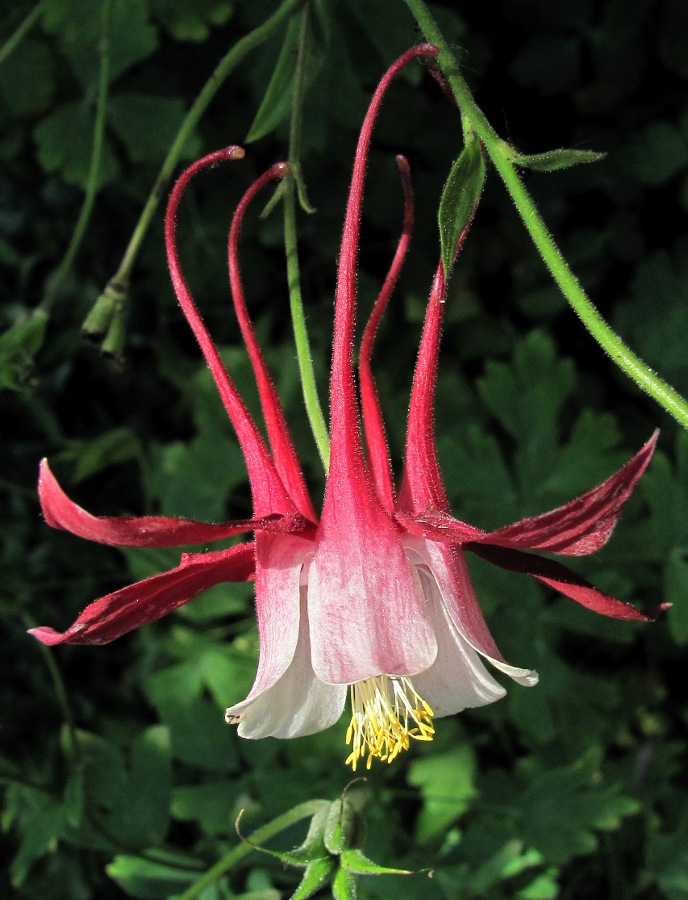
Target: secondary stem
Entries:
(62, 270)
(291, 185)
(20, 33)
(229, 62)
(500, 153)
(302, 811)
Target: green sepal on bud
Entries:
(554, 160)
(318, 873)
(343, 885)
(460, 197)
(344, 826)
(106, 322)
(331, 852)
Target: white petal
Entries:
(298, 703)
(449, 570)
(457, 679)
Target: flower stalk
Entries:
(291, 187)
(223, 69)
(57, 278)
(503, 156)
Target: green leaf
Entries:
(657, 153)
(667, 860)
(142, 813)
(147, 126)
(77, 29)
(676, 588)
(191, 20)
(447, 786)
(28, 80)
(553, 160)
(18, 346)
(660, 281)
(115, 446)
(527, 398)
(58, 151)
(104, 771)
(194, 479)
(212, 804)
(177, 693)
(149, 880)
(276, 104)
(40, 836)
(460, 197)
(562, 808)
(74, 796)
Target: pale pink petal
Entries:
(457, 679)
(367, 612)
(144, 602)
(280, 561)
(448, 567)
(583, 525)
(143, 531)
(294, 705)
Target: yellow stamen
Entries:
(386, 712)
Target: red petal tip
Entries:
(427, 50)
(235, 152)
(654, 612)
(46, 635)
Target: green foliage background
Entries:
(130, 782)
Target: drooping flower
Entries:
(373, 598)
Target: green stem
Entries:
(18, 36)
(229, 62)
(62, 271)
(501, 154)
(73, 750)
(298, 318)
(302, 811)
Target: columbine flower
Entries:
(375, 598)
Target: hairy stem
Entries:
(501, 154)
(20, 32)
(57, 279)
(292, 184)
(259, 836)
(226, 65)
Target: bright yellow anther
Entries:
(386, 712)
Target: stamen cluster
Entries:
(386, 712)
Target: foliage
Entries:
(118, 772)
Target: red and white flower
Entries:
(372, 598)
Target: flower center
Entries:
(386, 712)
